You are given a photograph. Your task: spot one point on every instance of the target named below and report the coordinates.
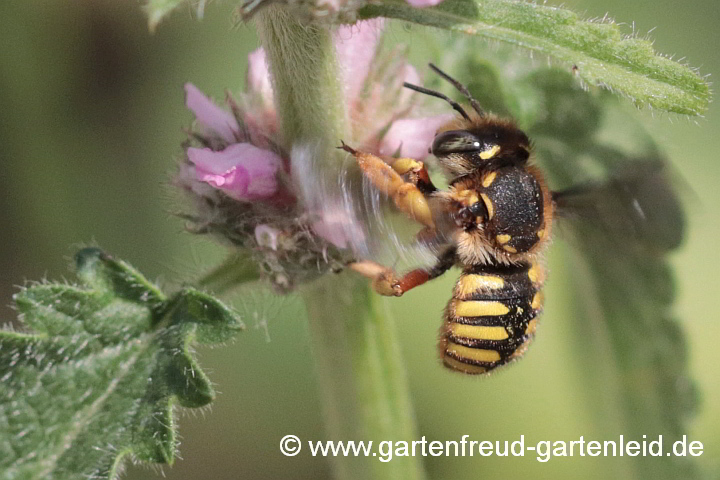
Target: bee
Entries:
(496, 218)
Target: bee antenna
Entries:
(433, 93)
(460, 88)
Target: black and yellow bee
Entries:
(496, 216)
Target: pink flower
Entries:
(242, 171)
(379, 105)
(210, 116)
(240, 158)
(355, 46)
(409, 136)
(258, 78)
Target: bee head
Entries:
(476, 141)
(488, 141)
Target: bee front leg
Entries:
(406, 195)
(386, 282)
(416, 171)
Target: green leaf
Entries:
(99, 375)
(602, 55)
(638, 338)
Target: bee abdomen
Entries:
(491, 318)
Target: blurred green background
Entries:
(92, 117)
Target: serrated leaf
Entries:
(601, 54)
(98, 376)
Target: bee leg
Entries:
(386, 282)
(416, 171)
(406, 195)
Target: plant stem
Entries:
(362, 377)
(234, 271)
(306, 83)
(360, 371)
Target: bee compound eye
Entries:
(455, 141)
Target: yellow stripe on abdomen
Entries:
(474, 354)
(536, 274)
(537, 301)
(478, 332)
(463, 367)
(532, 325)
(469, 284)
(479, 308)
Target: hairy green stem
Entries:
(362, 377)
(236, 270)
(308, 94)
(360, 371)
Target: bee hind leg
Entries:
(385, 281)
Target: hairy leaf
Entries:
(598, 52)
(99, 375)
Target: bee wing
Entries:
(350, 212)
(636, 208)
(623, 228)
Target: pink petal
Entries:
(242, 171)
(330, 233)
(413, 136)
(338, 229)
(355, 46)
(211, 116)
(409, 75)
(258, 79)
(423, 3)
